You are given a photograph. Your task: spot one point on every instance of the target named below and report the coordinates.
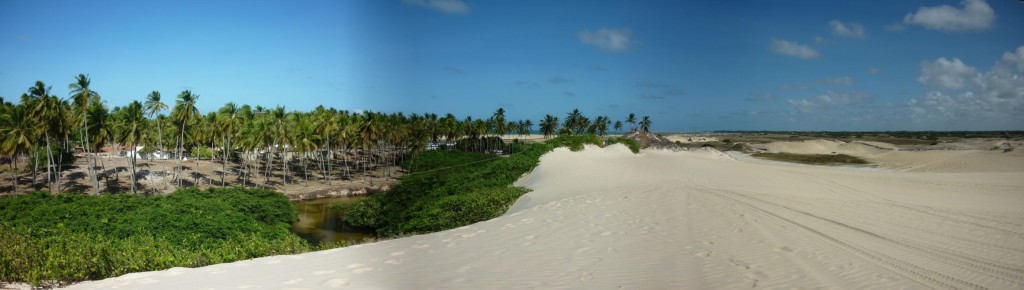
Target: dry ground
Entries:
(156, 177)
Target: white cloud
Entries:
(874, 70)
(1015, 58)
(610, 40)
(975, 15)
(830, 100)
(851, 30)
(443, 6)
(994, 99)
(945, 74)
(794, 49)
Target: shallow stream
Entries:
(319, 223)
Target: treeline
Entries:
(252, 143)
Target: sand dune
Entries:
(969, 158)
(608, 219)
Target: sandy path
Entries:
(605, 218)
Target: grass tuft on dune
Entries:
(813, 159)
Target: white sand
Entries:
(691, 138)
(969, 159)
(608, 219)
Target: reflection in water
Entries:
(319, 223)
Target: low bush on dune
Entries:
(75, 237)
(629, 142)
(450, 189)
(575, 143)
(815, 159)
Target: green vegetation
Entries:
(255, 146)
(575, 142)
(633, 146)
(450, 189)
(74, 237)
(71, 237)
(815, 159)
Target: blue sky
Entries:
(690, 65)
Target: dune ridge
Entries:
(605, 218)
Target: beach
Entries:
(605, 218)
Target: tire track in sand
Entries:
(855, 240)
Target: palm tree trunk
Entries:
(35, 170)
(181, 151)
(85, 148)
(305, 170)
(60, 163)
(163, 151)
(270, 162)
(344, 160)
(284, 166)
(132, 158)
(330, 159)
(49, 164)
(245, 177)
(14, 177)
(224, 167)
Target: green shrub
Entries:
(66, 158)
(629, 142)
(449, 189)
(574, 142)
(73, 237)
(445, 180)
(815, 159)
(458, 210)
(481, 144)
(203, 153)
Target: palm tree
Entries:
(305, 140)
(83, 97)
(549, 125)
(499, 121)
(154, 106)
(368, 134)
(49, 114)
(17, 130)
(133, 126)
(100, 129)
(184, 109)
(246, 143)
(325, 123)
(645, 125)
(601, 125)
(281, 138)
(618, 126)
(576, 122)
(632, 121)
(229, 124)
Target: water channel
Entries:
(318, 222)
